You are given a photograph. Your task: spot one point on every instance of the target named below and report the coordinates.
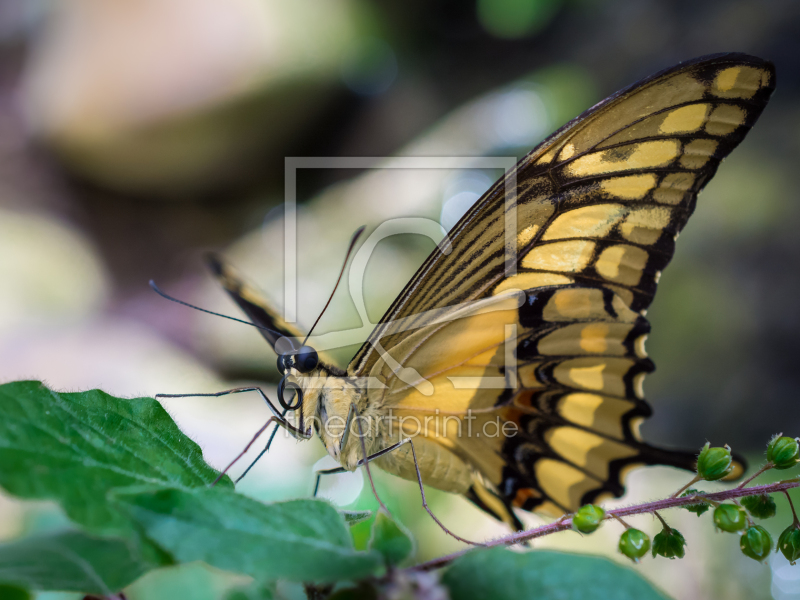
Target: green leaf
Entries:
(189, 581)
(391, 539)
(72, 561)
(698, 508)
(354, 517)
(761, 506)
(74, 447)
(501, 574)
(300, 540)
(12, 592)
(256, 591)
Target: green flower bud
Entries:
(634, 544)
(783, 452)
(789, 543)
(698, 508)
(714, 463)
(729, 517)
(588, 518)
(761, 506)
(756, 542)
(669, 543)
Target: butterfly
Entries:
(533, 325)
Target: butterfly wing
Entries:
(282, 336)
(552, 338)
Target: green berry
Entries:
(729, 517)
(669, 543)
(588, 518)
(634, 544)
(698, 508)
(761, 506)
(714, 463)
(756, 543)
(783, 452)
(789, 543)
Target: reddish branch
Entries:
(566, 523)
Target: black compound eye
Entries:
(306, 359)
(285, 361)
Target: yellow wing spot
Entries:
(725, 119)
(638, 346)
(638, 385)
(622, 264)
(594, 338)
(684, 119)
(738, 82)
(645, 224)
(621, 303)
(548, 156)
(590, 377)
(633, 187)
(658, 153)
(726, 79)
(563, 483)
(589, 221)
(601, 413)
(673, 188)
(635, 425)
(526, 235)
(657, 277)
(567, 152)
(697, 153)
(569, 257)
(595, 374)
(575, 303)
(529, 281)
(587, 450)
(579, 338)
(549, 508)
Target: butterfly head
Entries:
(320, 396)
(304, 361)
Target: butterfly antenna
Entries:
(210, 312)
(353, 241)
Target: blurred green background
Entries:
(137, 134)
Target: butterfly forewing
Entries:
(598, 207)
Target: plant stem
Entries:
(794, 514)
(687, 486)
(648, 507)
(766, 467)
(621, 521)
(666, 527)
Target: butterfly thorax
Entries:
(327, 398)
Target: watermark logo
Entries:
(436, 424)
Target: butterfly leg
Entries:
(340, 470)
(366, 460)
(263, 452)
(298, 433)
(410, 442)
(342, 441)
(319, 474)
(279, 418)
(246, 448)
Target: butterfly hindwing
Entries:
(597, 208)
